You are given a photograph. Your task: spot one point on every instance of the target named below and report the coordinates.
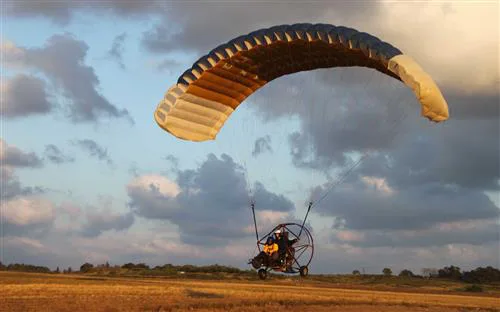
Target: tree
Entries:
(482, 275)
(70, 270)
(57, 270)
(387, 272)
(430, 272)
(406, 273)
(355, 272)
(86, 267)
(452, 272)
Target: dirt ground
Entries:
(36, 292)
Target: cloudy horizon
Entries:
(88, 176)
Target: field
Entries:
(66, 292)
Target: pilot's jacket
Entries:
(270, 249)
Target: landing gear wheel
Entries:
(304, 271)
(256, 263)
(262, 274)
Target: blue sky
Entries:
(117, 207)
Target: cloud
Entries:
(28, 215)
(181, 25)
(464, 232)
(95, 150)
(12, 156)
(372, 260)
(28, 211)
(206, 211)
(11, 186)
(169, 65)
(174, 161)
(361, 206)
(24, 95)
(62, 12)
(117, 49)
(70, 209)
(98, 222)
(56, 156)
(200, 27)
(262, 145)
(11, 159)
(62, 61)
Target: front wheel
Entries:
(303, 271)
(262, 274)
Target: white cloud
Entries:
(456, 42)
(379, 184)
(24, 242)
(29, 211)
(163, 184)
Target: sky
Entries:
(88, 176)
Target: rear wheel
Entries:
(256, 263)
(262, 274)
(304, 271)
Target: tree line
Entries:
(90, 268)
(478, 275)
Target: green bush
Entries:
(474, 288)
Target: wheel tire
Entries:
(256, 263)
(262, 274)
(303, 271)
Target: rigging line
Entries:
(247, 177)
(339, 79)
(355, 99)
(351, 96)
(392, 130)
(365, 89)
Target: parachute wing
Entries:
(204, 97)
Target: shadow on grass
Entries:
(200, 294)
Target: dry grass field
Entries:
(62, 292)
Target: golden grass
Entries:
(41, 292)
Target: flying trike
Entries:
(206, 94)
(287, 248)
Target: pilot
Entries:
(284, 244)
(271, 250)
(267, 256)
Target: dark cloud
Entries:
(117, 49)
(95, 150)
(11, 187)
(212, 205)
(169, 65)
(62, 60)
(371, 204)
(59, 11)
(98, 223)
(180, 22)
(262, 145)
(174, 161)
(14, 157)
(476, 235)
(62, 12)
(24, 95)
(360, 111)
(56, 156)
(181, 25)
